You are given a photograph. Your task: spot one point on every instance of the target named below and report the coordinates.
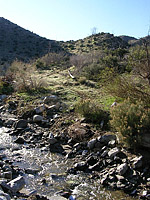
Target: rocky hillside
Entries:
(94, 42)
(21, 44)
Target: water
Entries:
(46, 172)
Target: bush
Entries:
(128, 86)
(131, 120)
(92, 112)
(24, 77)
(5, 86)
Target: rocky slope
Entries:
(21, 44)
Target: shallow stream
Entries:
(45, 172)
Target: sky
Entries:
(75, 19)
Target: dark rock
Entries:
(96, 167)
(20, 140)
(21, 124)
(92, 160)
(105, 139)
(15, 185)
(56, 148)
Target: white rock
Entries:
(113, 152)
(57, 198)
(121, 169)
(137, 162)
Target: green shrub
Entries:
(6, 85)
(131, 120)
(92, 112)
(128, 86)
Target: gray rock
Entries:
(106, 138)
(8, 175)
(15, 185)
(22, 123)
(3, 97)
(113, 152)
(91, 143)
(52, 139)
(40, 109)
(50, 99)
(77, 146)
(10, 122)
(122, 169)
(4, 196)
(37, 118)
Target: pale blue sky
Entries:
(74, 19)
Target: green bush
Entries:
(92, 112)
(6, 85)
(131, 120)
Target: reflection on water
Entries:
(45, 172)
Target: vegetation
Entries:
(131, 120)
(106, 69)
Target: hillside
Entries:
(94, 42)
(21, 44)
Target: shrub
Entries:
(24, 77)
(5, 86)
(92, 112)
(131, 120)
(128, 86)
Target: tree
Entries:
(139, 59)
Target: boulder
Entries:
(22, 123)
(14, 185)
(106, 138)
(37, 118)
(50, 99)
